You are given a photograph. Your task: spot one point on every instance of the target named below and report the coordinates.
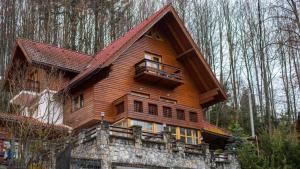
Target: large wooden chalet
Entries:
(154, 76)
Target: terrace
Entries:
(158, 73)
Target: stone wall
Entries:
(134, 149)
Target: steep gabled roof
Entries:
(45, 54)
(103, 57)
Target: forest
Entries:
(252, 46)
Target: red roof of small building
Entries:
(206, 126)
(15, 118)
(49, 55)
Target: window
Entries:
(122, 123)
(153, 109)
(153, 61)
(189, 136)
(180, 114)
(120, 108)
(138, 106)
(81, 100)
(168, 100)
(167, 112)
(146, 126)
(193, 117)
(140, 94)
(173, 130)
(77, 102)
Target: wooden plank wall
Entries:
(121, 79)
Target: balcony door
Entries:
(153, 61)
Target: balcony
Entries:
(26, 93)
(153, 72)
(127, 107)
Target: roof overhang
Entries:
(24, 98)
(16, 123)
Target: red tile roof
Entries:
(214, 129)
(118, 45)
(15, 118)
(46, 54)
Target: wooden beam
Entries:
(196, 72)
(174, 34)
(208, 96)
(184, 53)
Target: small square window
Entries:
(167, 112)
(138, 106)
(120, 108)
(193, 117)
(153, 109)
(180, 114)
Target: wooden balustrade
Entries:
(152, 71)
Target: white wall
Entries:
(48, 109)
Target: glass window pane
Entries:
(149, 126)
(189, 140)
(173, 130)
(188, 132)
(159, 128)
(182, 131)
(182, 139)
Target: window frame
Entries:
(77, 102)
(156, 109)
(167, 112)
(135, 103)
(193, 116)
(182, 115)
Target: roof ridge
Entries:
(52, 45)
(133, 27)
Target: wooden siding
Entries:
(129, 112)
(82, 115)
(121, 78)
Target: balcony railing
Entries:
(153, 71)
(130, 112)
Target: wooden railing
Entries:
(220, 157)
(193, 147)
(158, 68)
(128, 133)
(121, 131)
(151, 136)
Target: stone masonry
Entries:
(132, 149)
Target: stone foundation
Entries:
(132, 149)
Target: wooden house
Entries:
(154, 76)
